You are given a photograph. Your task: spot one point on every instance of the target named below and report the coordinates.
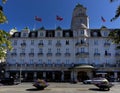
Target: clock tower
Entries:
(79, 18)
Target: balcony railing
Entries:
(40, 54)
(82, 54)
(22, 54)
(31, 54)
(108, 54)
(23, 44)
(58, 54)
(13, 54)
(67, 54)
(81, 44)
(106, 44)
(49, 54)
(96, 54)
(58, 44)
(40, 44)
(117, 55)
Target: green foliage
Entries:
(5, 43)
(115, 36)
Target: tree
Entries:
(5, 43)
(115, 35)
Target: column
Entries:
(53, 76)
(75, 76)
(62, 76)
(44, 75)
(35, 75)
(26, 75)
(115, 75)
(72, 75)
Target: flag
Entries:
(59, 18)
(103, 19)
(38, 18)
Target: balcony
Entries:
(106, 44)
(108, 54)
(67, 54)
(82, 54)
(23, 44)
(117, 55)
(31, 54)
(58, 54)
(58, 44)
(22, 54)
(49, 54)
(81, 44)
(40, 54)
(40, 45)
(13, 54)
(96, 54)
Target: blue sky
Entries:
(21, 13)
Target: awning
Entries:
(84, 67)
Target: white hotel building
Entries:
(64, 54)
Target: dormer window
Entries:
(58, 34)
(16, 34)
(82, 32)
(33, 35)
(24, 34)
(41, 33)
(95, 33)
(105, 33)
(67, 34)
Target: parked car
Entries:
(7, 81)
(104, 85)
(95, 80)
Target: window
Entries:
(95, 33)
(49, 61)
(32, 42)
(33, 34)
(14, 50)
(67, 61)
(24, 34)
(49, 50)
(82, 32)
(67, 42)
(32, 50)
(49, 42)
(23, 50)
(58, 50)
(15, 42)
(40, 50)
(41, 33)
(58, 61)
(96, 50)
(67, 34)
(16, 34)
(82, 50)
(67, 50)
(24, 41)
(31, 61)
(95, 42)
(40, 61)
(58, 34)
(105, 33)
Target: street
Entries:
(57, 88)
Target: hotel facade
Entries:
(60, 54)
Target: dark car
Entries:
(7, 81)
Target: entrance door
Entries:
(82, 76)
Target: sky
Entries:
(21, 13)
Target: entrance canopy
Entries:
(84, 67)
